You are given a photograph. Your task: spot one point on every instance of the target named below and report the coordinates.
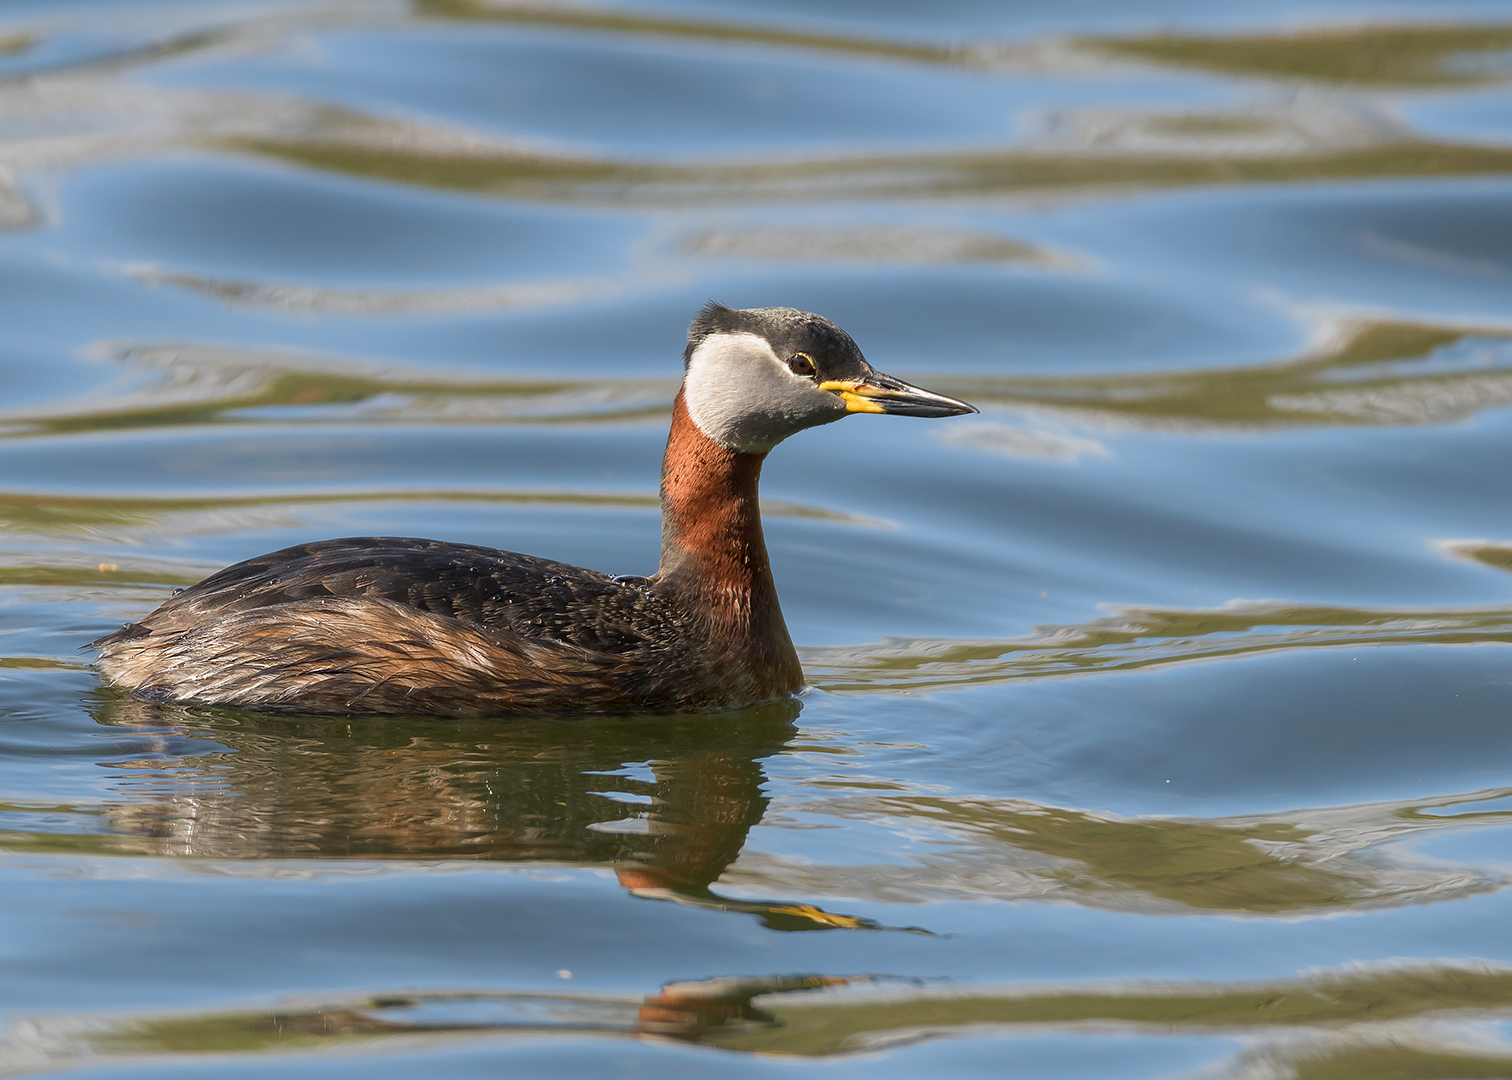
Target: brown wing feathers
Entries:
(389, 624)
(372, 654)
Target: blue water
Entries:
(1161, 714)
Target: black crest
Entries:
(787, 329)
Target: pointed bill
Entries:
(878, 393)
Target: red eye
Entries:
(801, 365)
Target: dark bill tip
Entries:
(878, 393)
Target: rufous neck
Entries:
(714, 560)
(711, 515)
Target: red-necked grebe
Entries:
(386, 624)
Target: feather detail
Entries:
(359, 653)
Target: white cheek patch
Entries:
(741, 395)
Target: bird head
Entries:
(756, 376)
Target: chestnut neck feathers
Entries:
(713, 551)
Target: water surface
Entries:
(1160, 714)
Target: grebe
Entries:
(399, 625)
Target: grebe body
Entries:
(385, 624)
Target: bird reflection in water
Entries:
(666, 802)
(708, 1011)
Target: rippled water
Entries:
(1160, 722)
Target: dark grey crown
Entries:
(788, 330)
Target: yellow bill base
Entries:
(853, 396)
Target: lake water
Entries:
(1161, 720)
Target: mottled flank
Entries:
(385, 624)
(356, 653)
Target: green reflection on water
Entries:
(55, 515)
(1197, 864)
(61, 515)
(1407, 56)
(668, 802)
(21, 842)
(1331, 999)
(1364, 379)
(624, 22)
(39, 663)
(191, 385)
(104, 574)
(1410, 56)
(1401, 1063)
(1497, 555)
(314, 787)
(522, 175)
(874, 244)
(1305, 862)
(1378, 371)
(110, 62)
(1143, 637)
(1327, 1026)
